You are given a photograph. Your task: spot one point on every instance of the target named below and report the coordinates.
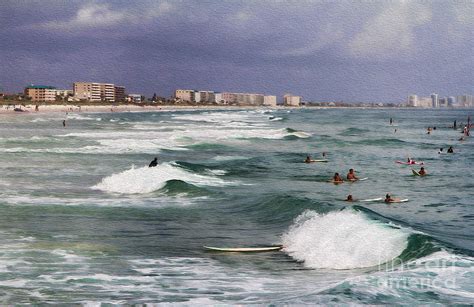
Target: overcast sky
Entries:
(323, 50)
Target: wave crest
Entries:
(342, 240)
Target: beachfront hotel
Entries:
(93, 91)
(40, 93)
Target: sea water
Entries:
(83, 219)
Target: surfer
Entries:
(349, 198)
(422, 171)
(64, 123)
(308, 159)
(410, 161)
(440, 151)
(154, 162)
(351, 175)
(391, 121)
(337, 178)
(450, 149)
(389, 199)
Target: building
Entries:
(94, 91)
(243, 98)
(270, 101)
(119, 93)
(465, 101)
(451, 101)
(290, 100)
(41, 93)
(206, 96)
(185, 95)
(86, 91)
(218, 98)
(434, 100)
(134, 98)
(425, 102)
(413, 101)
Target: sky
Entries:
(323, 50)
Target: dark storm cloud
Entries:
(323, 50)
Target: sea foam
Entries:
(148, 179)
(342, 240)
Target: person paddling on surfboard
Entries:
(337, 178)
(389, 199)
(351, 175)
(154, 162)
(422, 171)
(349, 198)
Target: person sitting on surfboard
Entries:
(351, 175)
(337, 178)
(154, 162)
(450, 149)
(349, 198)
(308, 159)
(422, 171)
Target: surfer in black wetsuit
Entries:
(154, 162)
(450, 149)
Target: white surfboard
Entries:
(400, 201)
(244, 249)
(372, 199)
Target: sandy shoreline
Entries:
(30, 109)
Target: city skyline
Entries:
(325, 51)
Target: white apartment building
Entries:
(435, 100)
(291, 100)
(270, 101)
(94, 91)
(412, 100)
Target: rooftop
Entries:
(41, 87)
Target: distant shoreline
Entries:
(58, 108)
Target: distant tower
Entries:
(413, 100)
(435, 100)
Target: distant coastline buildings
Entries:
(434, 101)
(226, 98)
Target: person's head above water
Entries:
(351, 170)
(349, 197)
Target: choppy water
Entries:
(84, 220)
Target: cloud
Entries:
(94, 15)
(391, 32)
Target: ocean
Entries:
(84, 220)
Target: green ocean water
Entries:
(84, 220)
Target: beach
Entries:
(84, 220)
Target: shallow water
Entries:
(84, 220)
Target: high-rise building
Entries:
(206, 96)
(413, 101)
(119, 93)
(39, 93)
(218, 98)
(94, 91)
(465, 101)
(434, 100)
(270, 101)
(291, 100)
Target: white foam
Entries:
(342, 240)
(149, 179)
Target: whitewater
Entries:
(84, 220)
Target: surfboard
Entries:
(360, 179)
(335, 182)
(312, 161)
(372, 199)
(244, 249)
(406, 163)
(400, 201)
(415, 172)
